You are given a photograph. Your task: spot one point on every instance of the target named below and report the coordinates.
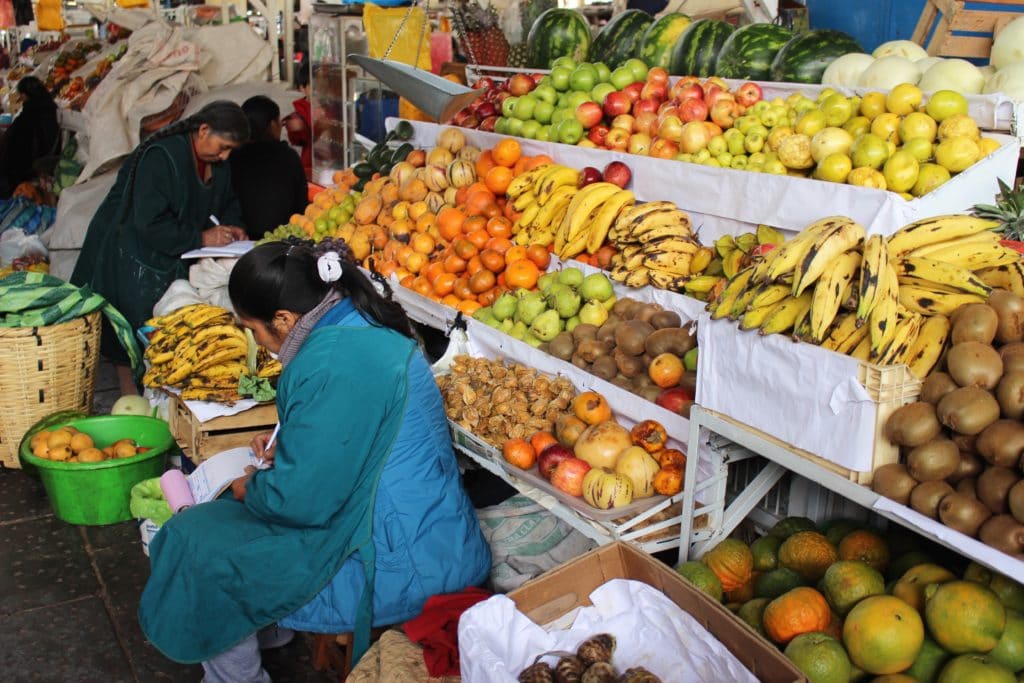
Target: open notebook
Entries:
(215, 474)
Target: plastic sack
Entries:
(16, 243)
(383, 23)
(147, 502)
(49, 16)
(527, 540)
(179, 293)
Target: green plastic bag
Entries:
(148, 502)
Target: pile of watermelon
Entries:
(706, 47)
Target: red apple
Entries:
(471, 121)
(668, 106)
(686, 92)
(723, 113)
(714, 82)
(713, 128)
(647, 104)
(461, 115)
(654, 91)
(663, 148)
(617, 139)
(617, 173)
(597, 134)
(676, 399)
(520, 84)
(485, 83)
(486, 109)
(657, 75)
(550, 457)
(748, 94)
(568, 475)
(633, 91)
(589, 114)
(616, 104)
(624, 121)
(537, 78)
(717, 95)
(501, 97)
(488, 124)
(589, 175)
(695, 137)
(670, 128)
(693, 109)
(645, 122)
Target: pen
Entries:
(270, 442)
(213, 219)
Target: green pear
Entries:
(571, 276)
(504, 306)
(593, 313)
(572, 322)
(530, 306)
(566, 302)
(596, 286)
(486, 316)
(547, 325)
(609, 303)
(532, 340)
(546, 280)
(519, 330)
(506, 325)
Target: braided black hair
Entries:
(225, 119)
(261, 112)
(280, 276)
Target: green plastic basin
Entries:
(98, 493)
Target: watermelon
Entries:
(805, 58)
(748, 53)
(656, 46)
(620, 38)
(695, 52)
(557, 33)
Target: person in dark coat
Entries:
(266, 173)
(34, 134)
(164, 202)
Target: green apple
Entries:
(560, 78)
(566, 61)
(501, 125)
(569, 131)
(690, 358)
(508, 107)
(524, 107)
(737, 143)
(544, 134)
(542, 111)
(638, 68)
(545, 93)
(604, 74)
(530, 129)
(621, 77)
(583, 78)
(515, 127)
(601, 91)
(561, 114)
(739, 162)
(724, 159)
(577, 98)
(753, 142)
(718, 145)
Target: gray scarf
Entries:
(291, 344)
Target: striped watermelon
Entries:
(695, 52)
(661, 36)
(748, 53)
(557, 33)
(620, 38)
(805, 58)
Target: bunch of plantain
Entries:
(730, 256)
(542, 195)
(656, 246)
(884, 301)
(201, 350)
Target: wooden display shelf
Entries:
(201, 440)
(949, 17)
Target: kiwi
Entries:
(934, 460)
(970, 466)
(624, 307)
(562, 346)
(643, 380)
(914, 424)
(994, 486)
(631, 336)
(621, 381)
(1010, 394)
(968, 410)
(605, 367)
(584, 331)
(975, 322)
(580, 362)
(651, 392)
(967, 443)
(1004, 533)
(607, 331)
(935, 386)
(963, 513)
(592, 349)
(1010, 309)
(645, 312)
(630, 366)
(663, 319)
(1002, 442)
(677, 340)
(927, 495)
(968, 487)
(893, 481)
(1015, 501)
(973, 364)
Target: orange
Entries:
(473, 224)
(542, 440)
(453, 263)
(469, 306)
(420, 285)
(732, 562)
(433, 270)
(484, 163)
(883, 635)
(449, 222)
(443, 283)
(808, 553)
(462, 290)
(820, 657)
(480, 204)
(865, 546)
(521, 273)
(964, 616)
(847, 582)
(499, 244)
(499, 226)
(464, 249)
(481, 281)
(745, 592)
(912, 585)
(422, 243)
(492, 260)
(474, 265)
(497, 179)
(478, 238)
(539, 255)
(801, 610)
(516, 253)
(451, 300)
(540, 160)
(519, 452)
(507, 152)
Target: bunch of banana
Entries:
(542, 195)
(729, 257)
(656, 246)
(589, 218)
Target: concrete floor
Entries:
(68, 595)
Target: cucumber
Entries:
(401, 152)
(363, 170)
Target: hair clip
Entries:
(329, 266)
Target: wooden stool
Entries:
(334, 651)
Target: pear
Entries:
(571, 276)
(571, 323)
(506, 325)
(504, 306)
(566, 302)
(609, 303)
(519, 330)
(596, 286)
(530, 306)
(530, 339)
(593, 313)
(690, 359)
(546, 280)
(547, 325)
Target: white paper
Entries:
(230, 250)
(216, 473)
(968, 546)
(782, 387)
(497, 641)
(205, 411)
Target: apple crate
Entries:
(201, 440)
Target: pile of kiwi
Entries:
(962, 442)
(621, 350)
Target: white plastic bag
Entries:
(179, 293)
(15, 243)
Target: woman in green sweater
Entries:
(166, 199)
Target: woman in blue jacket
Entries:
(362, 516)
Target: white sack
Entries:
(231, 53)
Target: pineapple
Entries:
(1008, 210)
(481, 39)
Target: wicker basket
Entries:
(44, 370)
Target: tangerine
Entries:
(539, 255)
(474, 265)
(499, 244)
(453, 263)
(801, 610)
(484, 163)
(478, 238)
(516, 253)
(464, 249)
(519, 452)
(474, 224)
(416, 262)
(422, 286)
(732, 562)
(964, 616)
(522, 273)
(444, 283)
(507, 152)
(808, 553)
(433, 270)
(449, 222)
(492, 260)
(481, 281)
(487, 298)
(883, 635)
(462, 290)
(847, 582)
(422, 243)
(499, 226)
(408, 281)
(451, 300)
(479, 204)
(469, 306)
(497, 179)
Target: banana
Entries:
(733, 288)
(863, 350)
(1009, 277)
(174, 317)
(883, 317)
(850, 297)
(211, 315)
(841, 330)
(824, 250)
(786, 314)
(272, 368)
(701, 259)
(976, 256)
(906, 333)
(160, 358)
(583, 204)
(986, 237)
(668, 261)
(679, 245)
(926, 350)
(559, 178)
(640, 277)
(755, 317)
(787, 256)
(538, 180)
(224, 370)
(667, 280)
(217, 331)
(701, 284)
(210, 394)
(829, 292)
(936, 229)
(524, 181)
(739, 306)
(605, 218)
(802, 326)
(210, 345)
(928, 284)
(942, 273)
(771, 294)
(523, 201)
(639, 210)
(577, 246)
(873, 267)
(178, 373)
(654, 220)
(674, 229)
(154, 377)
(222, 356)
(561, 199)
(526, 221)
(930, 302)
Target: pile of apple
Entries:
(592, 456)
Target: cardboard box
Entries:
(566, 587)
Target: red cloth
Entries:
(302, 135)
(437, 629)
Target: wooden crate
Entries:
(200, 440)
(947, 18)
